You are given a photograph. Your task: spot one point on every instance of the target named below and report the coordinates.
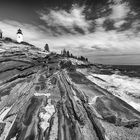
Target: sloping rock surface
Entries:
(40, 101)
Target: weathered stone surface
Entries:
(39, 100)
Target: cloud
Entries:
(119, 11)
(100, 21)
(136, 26)
(119, 23)
(99, 48)
(74, 18)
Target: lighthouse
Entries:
(19, 36)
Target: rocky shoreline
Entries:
(40, 100)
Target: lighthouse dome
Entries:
(19, 31)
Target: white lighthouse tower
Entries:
(19, 36)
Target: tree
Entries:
(82, 58)
(47, 48)
(64, 52)
(68, 54)
(87, 59)
(71, 55)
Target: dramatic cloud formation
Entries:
(105, 34)
(70, 20)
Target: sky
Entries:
(105, 31)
